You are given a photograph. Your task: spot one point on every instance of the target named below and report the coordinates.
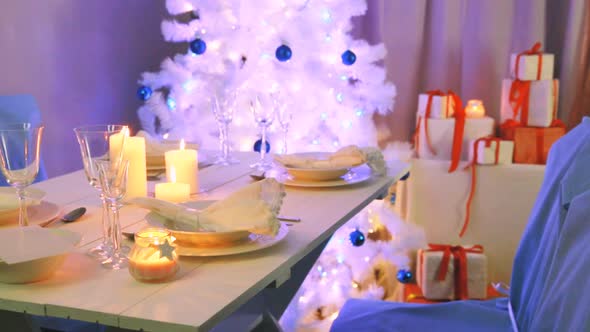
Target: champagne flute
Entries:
(264, 112)
(19, 160)
(224, 113)
(100, 142)
(284, 115)
(113, 180)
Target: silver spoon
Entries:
(68, 217)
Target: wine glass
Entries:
(113, 180)
(19, 160)
(284, 115)
(100, 142)
(224, 113)
(263, 109)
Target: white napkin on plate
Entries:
(22, 244)
(253, 208)
(348, 156)
(9, 200)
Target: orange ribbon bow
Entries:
(535, 50)
(488, 143)
(459, 254)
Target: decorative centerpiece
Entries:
(153, 258)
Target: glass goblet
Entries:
(98, 142)
(263, 110)
(19, 160)
(224, 110)
(113, 179)
(284, 115)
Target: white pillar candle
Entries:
(173, 191)
(185, 164)
(475, 109)
(134, 152)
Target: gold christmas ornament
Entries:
(379, 233)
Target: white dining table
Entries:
(209, 293)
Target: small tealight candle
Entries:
(173, 191)
(153, 257)
(185, 163)
(475, 109)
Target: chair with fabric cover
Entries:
(20, 109)
(549, 289)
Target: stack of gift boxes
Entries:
(446, 131)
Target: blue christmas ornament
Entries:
(198, 46)
(404, 276)
(348, 57)
(258, 144)
(405, 177)
(283, 53)
(144, 92)
(357, 238)
(392, 198)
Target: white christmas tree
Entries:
(300, 50)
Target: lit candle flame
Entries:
(165, 136)
(182, 144)
(172, 174)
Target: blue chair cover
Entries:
(19, 109)
(549, 289)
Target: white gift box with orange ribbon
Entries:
(528, 67)
(428, 269)
(492, 152)
(441, 107)
(440, 134)
(542, 103)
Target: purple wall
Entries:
(81, 60)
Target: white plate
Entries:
(356, 175)
(255, 242)
(33, 195)
(38, 214)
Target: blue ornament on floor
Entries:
(348, 57)
(283, 53)
(198, 46)
(357, 238)
(405, 177)
(258, 144)
(404, 276)
(144, 92)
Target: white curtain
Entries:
(464, 45)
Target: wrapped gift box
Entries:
(429, 264)
(528, 67)
(531, 145)
(442, 107)
(486, 152)
(441, 136)
(542, 102)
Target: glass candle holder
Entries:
(153, 258)
(475, 109)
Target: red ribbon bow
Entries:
(459, 254)
(535, 50)
(488, 143)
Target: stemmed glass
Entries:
(263, 110)
(113, 179)
(224, 113)
(98, 142)
(284, 115)
(19, 160)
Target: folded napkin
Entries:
(9, 200)
(348, 156)
(155, 148)
(253, 208)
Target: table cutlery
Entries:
(68, 217)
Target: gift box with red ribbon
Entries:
(491, 151)
(446, 272)
(532, 65)
(531, 145)
(436, 105)
(532, 103)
